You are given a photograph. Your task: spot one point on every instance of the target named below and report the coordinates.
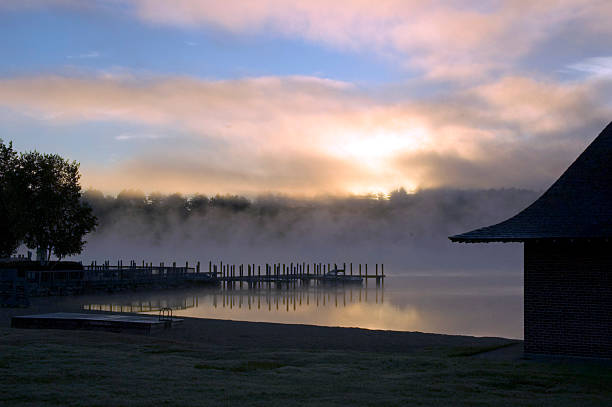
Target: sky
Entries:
(306, 97)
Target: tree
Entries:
(57, 219)
(11, 202)
(198, 204)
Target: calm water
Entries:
(482, 304)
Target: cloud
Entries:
(139, 136)
(596, 66)
(219, 170)
(462, 40)
(303, 135)
(455, 40)
(86, 55)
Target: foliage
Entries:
(41, 205)
(11, 201)
(57, 219)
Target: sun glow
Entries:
(374, 149)
(376, 152)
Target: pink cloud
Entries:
(445, 39)
(307, 135)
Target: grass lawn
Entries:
(80, 368)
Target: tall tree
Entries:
(57, 217)
(11, 201)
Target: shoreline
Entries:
(270, 335)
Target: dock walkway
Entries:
(95, 321)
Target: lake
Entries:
(468, 303)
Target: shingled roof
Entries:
(577, 205)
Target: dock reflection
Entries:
(293, 299)
(472, 304)
(266, 298)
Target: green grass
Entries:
(63, 368)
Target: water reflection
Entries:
(290, 299)
(485, 305)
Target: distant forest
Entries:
(401, 228)
(447, 205)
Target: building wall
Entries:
(568, 298)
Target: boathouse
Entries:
(567, 236)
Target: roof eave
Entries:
(459, 239)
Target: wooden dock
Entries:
(287, 273)
(278, 273)
(104, 322)
(110, 277)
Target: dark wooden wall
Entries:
(568, 298)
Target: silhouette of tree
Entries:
(57, 219)
(198, 204)
(11, 202)
(234, 203)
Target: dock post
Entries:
(209, 266)
(377, 278)
(351, 268)
(198, 267)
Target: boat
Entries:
(339, 276)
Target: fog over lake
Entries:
(407, 232)
(433, 285)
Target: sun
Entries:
(375, 154)
(374, 149)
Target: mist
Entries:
(407, 232)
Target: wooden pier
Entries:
(287, 273)
(116, 277)
(236, 273)
(104, 322)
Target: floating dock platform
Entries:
(100, 322)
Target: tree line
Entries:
(41, 204)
